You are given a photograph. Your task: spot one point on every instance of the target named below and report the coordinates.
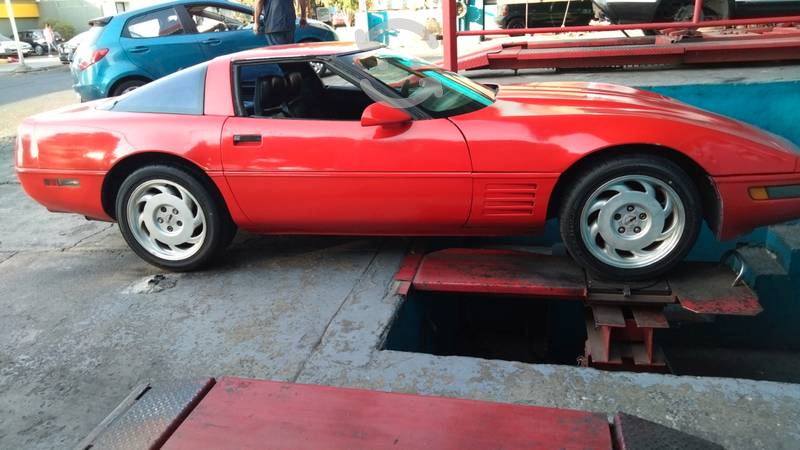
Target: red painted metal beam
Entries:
(635, 26)
(253, 414)
(501, 272)
(715, 50)
(449, 29)
(697, 15)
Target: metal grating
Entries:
(147, 416)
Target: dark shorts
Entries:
(280, 38)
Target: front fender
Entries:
(550, 139)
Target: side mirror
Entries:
(383, 115)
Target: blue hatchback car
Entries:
(123, 52)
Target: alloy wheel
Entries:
(166, 220)
(632, 221)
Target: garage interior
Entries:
(89, 329)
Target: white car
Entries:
(8, 47)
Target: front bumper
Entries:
(742, 213)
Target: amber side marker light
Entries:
(759, 193)
(775, 192)
(70, 182)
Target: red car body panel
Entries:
(489, 172)
(341, 177)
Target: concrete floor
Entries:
(84, 321)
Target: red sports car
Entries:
(392, 145)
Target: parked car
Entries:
(67, 49)
(258, 140)
(543, 13)
(8, 47)
(340, 18)
(123, 52)
(640, 11)
(36, 39)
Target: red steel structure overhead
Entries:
(766, 43)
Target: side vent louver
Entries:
(515, 199)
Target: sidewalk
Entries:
(35, 63)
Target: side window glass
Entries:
(164, 22)
(294, 90)
(212, 19)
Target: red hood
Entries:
(610, 99)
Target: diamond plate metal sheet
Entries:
(147, 417)
(635, 433)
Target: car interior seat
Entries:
(269, 96)
(296, 104)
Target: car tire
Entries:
(615, 222)
(39, 50)
(127, 86)
(172, 219)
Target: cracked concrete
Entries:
(84, 320)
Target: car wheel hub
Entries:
(166, 220)
(632, 221)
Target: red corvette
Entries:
(396, 146)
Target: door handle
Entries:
(242, 138)
(139, 49)
(211, 41)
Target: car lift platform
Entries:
(254, 414)
(621, 317)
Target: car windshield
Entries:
(3, 38)
(419, 83)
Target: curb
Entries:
(33, 69)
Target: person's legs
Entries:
(280, 38)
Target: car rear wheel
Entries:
(171, 219)
(631, 218)
(127, 86)
(39, 50)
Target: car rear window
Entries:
(164, 22)
(182, 92)
(92, 35)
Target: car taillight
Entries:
(96, 55)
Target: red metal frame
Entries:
(253, 414)
(760, 46)
(621, 317)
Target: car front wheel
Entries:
(171, 219)
(631, 218)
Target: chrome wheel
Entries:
(632, 221)
(129, 89)
(166, 220)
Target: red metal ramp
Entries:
(254, 414)
(250, 414)
(703, 288)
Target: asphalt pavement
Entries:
(27, 86)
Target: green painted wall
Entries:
(772, 106)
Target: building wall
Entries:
(26, 13)
(75, 12)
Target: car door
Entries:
(159, 42)
(223, 29)
(339, 177)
